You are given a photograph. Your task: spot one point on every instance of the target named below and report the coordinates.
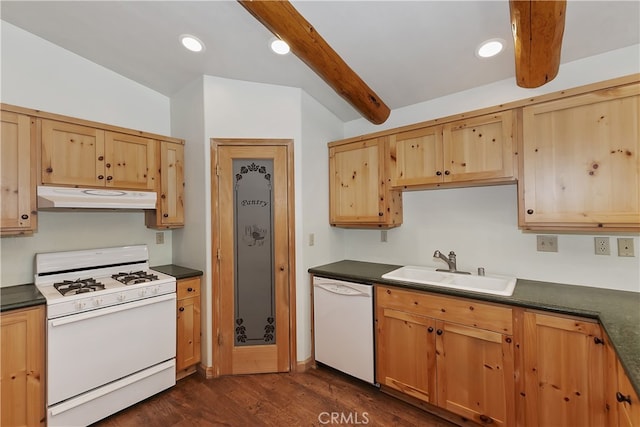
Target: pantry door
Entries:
(253, 241)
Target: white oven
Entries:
(111, 332)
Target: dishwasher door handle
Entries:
(340, 289)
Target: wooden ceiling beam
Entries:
(538, 27)
(283, 20)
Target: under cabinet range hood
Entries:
(94, 198)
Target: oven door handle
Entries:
(110, 388)
(110, 310)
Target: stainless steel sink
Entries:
(490, 284)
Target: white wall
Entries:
(480, 224)
(37, 74)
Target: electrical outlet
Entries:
(625, 246)
(159, 238)
(602, 246)
(547, 243)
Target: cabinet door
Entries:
(475, 373)
(188, 334)
(405, 358)
(72, 154)
(627, 400)
(17, 144)
(171, 183)
(564, 360)
(581, 161)
(416, 157)
(358, 184)
(479, 148)
(129, 161)
(22, 367)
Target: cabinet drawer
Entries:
(456, 310)
(187, 288)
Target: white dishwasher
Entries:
(343, 326)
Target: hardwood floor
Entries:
(314, 398)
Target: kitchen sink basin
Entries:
(490, 284)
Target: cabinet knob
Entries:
(165, 215)
(109, 178)
(447, 172)
(380, 213)
(189, 289)
(24, 216)
(49, 170)
(108, 165)
(181, 309)
(438, 173)
(430, 329)
(163, 196)
(529, 211)
(598, 340)
(101, 158)
(100, 176)
(439, 332)
(622, 398)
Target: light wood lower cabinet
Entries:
(188, 326)
(627, 401)
(564, 371)
(22, 378)
(18, 214)
(453, 353)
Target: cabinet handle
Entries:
(439, 332)
(438, 173)
(622, 398)
(101, 158)
(100, 176)
(447, 173)
(529, 211)
(430, 329)
(49, 170)
(109, 178)
(181, 309)
(24, 216)
(598, 340)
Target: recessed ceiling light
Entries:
(280, 47)
(192, 43)
(490, 48)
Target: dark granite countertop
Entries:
(20, 296)
(617, 311)
(177, 271)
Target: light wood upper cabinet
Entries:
(170, 205)
(22, 368)
(564, 371)
(581, 162)
(359, 185)
(462, 152)
(454, 353)
(79, 155)
(18, 214)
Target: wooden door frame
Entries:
(215, 244)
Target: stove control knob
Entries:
(97, 302)
(121, 297)
(155, 290)
(143, 292)
(80, 305)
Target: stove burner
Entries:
(80, 286)
(134, 277)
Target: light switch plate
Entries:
(625, 246)
(159, 238)
(547, 243)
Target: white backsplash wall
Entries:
(70, 231)
(481, 225)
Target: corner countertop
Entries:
(20, 296)
(617, 311)
(177, 271)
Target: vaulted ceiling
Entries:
(406, 51)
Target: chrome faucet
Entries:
(451, 262)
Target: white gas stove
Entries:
(106, 308)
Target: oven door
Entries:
(91, 349)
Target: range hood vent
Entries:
(94, 198)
